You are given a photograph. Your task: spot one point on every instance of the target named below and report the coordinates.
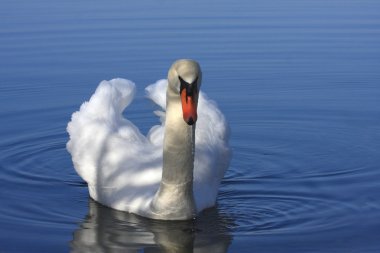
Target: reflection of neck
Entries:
(100, 232)
(176, 240)
(174, 199)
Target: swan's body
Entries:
(172, 173)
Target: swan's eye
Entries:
(195, 84)
(191, 88)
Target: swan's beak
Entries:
(189, 99)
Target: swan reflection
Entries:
(108, 230)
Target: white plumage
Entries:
(122, 166)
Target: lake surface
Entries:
(299, 82)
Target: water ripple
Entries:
(272, 207)
(37, 180)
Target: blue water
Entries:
(299, 82)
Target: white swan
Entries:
(174, 172)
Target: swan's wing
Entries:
(212, 152)
(121, 166)
(157, 93)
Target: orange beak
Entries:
(189, 107)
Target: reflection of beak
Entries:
(189, 99)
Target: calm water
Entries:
(299, 82)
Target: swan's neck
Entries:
(178, 160)
(174, 199)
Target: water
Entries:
(297, 80)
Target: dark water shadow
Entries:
(108, 230)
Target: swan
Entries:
(172, 173)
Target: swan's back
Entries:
(123, 167)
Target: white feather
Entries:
(123, 167)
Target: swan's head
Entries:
(184, 79)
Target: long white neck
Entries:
(178, 162)
(174, 199)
